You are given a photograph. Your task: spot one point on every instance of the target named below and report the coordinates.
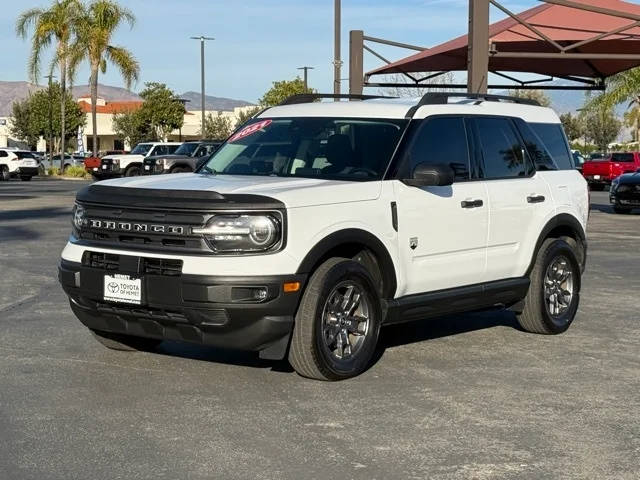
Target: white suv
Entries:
(317, 223)
(130, 164)
(17, 163)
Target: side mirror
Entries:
(428, 175)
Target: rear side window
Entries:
(502, 153)
(440, 140)
(3, 153)
(622, 157)
(555, 141)
(535, 147)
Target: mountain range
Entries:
(12, 91)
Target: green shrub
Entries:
(53, 171)
(75, 171)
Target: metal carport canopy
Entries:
(561, 38)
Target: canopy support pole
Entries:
(356, 67)
(478, 54)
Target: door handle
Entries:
(535, 198)
(471, 203)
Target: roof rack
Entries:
(310, 97)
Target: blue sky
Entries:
(257, 42)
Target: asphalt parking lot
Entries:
(464, 397)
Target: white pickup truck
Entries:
(130, 165)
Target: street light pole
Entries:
(306, 83)
(50, 77)
(202, 40)
(337, 63)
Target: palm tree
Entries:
(100, 20)
(58, 23)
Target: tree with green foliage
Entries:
(632, 119)
(573, 126)
(217, 127)
(130, 127)
(283, 89)
(31, 116)
(99, 21)
(161, 110)
(58, 23)
(538, 95)
(600, 125)
(245, 115)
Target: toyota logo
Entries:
(113, 287)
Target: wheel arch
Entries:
(348, 243)
(180, 165)
(563, 225)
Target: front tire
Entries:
(621, 210)
(180, 170)
(127, 343)
(554, 293)
(338, 322)
(133, 171)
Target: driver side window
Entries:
(439, 140)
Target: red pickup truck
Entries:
(600, 173)
(92, 164)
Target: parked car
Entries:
(130, 165)
(600, 173)
(17, 163)
(92, 164)
(625, 192)
(69, 161)
(578, 159)
(186, 158)
(316, 224)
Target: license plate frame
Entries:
(123, 288)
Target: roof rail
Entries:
(310, 97)
(442, 98)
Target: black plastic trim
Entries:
(501, 293)
(353, 235)
(160, 199)
(562, 220)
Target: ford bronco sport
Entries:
(316, 223)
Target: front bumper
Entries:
(108, 170)
(191, 308)
(629, 198)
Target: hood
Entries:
(167, 157)
(633, 178)
(293, 192)
(121, 156)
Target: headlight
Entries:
(116, 161)
(78, 217)
(245, 232)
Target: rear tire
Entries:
(126, 343)
(548, 309)
(622, 210)
(133, 171)
(180, 170)
(338, 322)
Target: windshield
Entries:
(332, 148)
(141, 149)
(187, 149)
(622, 157)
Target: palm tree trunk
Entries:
(94, 106)
(63, 104)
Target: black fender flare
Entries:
(353, 236)
(562, 220)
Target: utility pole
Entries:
(306, 83)
(202, 40)
(337, 63)
(50, 77)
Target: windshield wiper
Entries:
(209, 170)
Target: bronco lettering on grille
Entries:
(98, 224)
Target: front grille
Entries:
(166, 267)
(145, 229)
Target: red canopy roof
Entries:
(562, 24)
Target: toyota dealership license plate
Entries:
(123, 289)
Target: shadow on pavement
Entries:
(35, 213)
(18, 233)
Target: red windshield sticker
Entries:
(250, 130)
